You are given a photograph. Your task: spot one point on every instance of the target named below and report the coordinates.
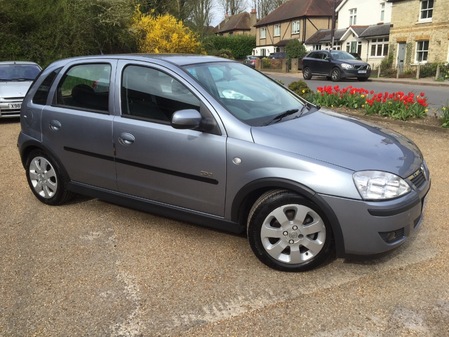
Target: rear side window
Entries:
(41, 95)
(85, 86)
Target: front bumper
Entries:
(370, 228)
(363, 73)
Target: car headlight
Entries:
(378, 185)
(346, 66)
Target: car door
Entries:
(77, 126)
(184, 168)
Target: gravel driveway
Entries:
(95, 269)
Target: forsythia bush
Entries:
(163, 34)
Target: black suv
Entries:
(335, 65)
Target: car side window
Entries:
(148, 93)
(85, 86)
(40, 97)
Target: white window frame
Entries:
(353, 16)
(426, 10)
(296, 27)
(277, 30)
(380, 46)
(263, 32)
(422, 53)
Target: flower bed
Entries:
(396, 105)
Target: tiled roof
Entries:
(239, 21)
(299, 8)
(325, 35)
(376, 30)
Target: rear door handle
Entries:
(126, 138)
(55, 125)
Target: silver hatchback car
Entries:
(15, 79)
(214, 142)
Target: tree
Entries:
(233, 7)
(163, 34)
(77, 28)
(200, 17)
(295, 49)
(265, 7)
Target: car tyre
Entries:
(45, 179)
(335, 74)
(307, 73)
(288, 232)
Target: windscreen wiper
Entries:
(280, 116)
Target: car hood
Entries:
(14, 88)
(339, 140)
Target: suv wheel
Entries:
(306, 73)
(336, 74)
(45, 179)
(287, 232)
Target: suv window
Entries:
(85, 86)
(154, 95)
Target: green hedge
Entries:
(239, 45)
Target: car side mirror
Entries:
(186, 119)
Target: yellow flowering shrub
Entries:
(163, 34)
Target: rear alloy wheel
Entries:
(336, 74)
(45, 179)
(287, 232)
(307, 73)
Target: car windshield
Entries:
(18, 72)
(341, 55)
(250, 96)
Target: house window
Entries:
(317, 47)
(277, 30)
(295, 27)
(263, 33)
(422, 51)
(379, 47)
(426, 10)
(352, 16)
(382, 12)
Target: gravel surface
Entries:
(91, 268)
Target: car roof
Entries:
(18, 62)
(177, 59)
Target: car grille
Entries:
(361, 67)
(418, 178)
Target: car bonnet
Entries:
(339, 140)
(13, 88)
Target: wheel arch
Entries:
(249, 193)
(31, 145)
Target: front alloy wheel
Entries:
(336, 74)
(287, 232)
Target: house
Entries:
(295, 19)
(420, 32)
(363, 28)
(239, 24)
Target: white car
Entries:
(15, 79)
